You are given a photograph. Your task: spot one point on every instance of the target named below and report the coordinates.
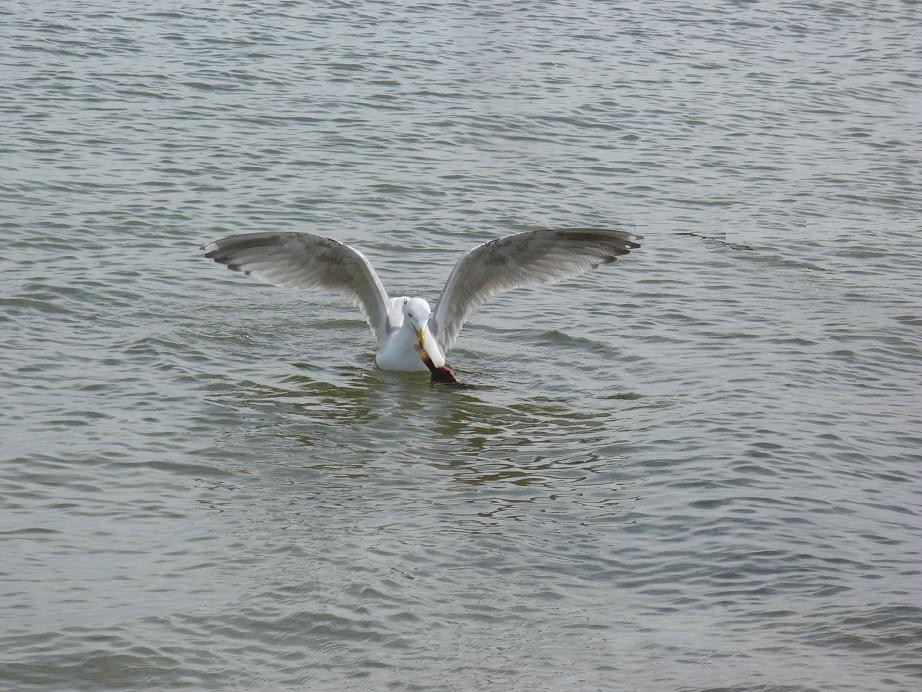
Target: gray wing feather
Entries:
(533, 257)
(304, 260)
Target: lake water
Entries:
(696, 468)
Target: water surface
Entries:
(697, 468)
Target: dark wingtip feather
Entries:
(213, 252)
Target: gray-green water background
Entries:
(698, 468)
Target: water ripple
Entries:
(697, 469)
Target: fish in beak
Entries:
(440, 373)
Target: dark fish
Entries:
(439, 374)
(444, 374)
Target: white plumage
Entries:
(406, 329)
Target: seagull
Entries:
(411, 337)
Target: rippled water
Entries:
(698, 468)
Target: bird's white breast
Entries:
(399, 352)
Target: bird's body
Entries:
(410, 336)
(400, 351)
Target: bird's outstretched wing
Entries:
(307, 261)
(518, 260)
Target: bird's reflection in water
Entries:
(350, 418)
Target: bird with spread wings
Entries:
(410, 336)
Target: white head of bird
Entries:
(416, 312)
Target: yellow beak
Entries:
(421, 349)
